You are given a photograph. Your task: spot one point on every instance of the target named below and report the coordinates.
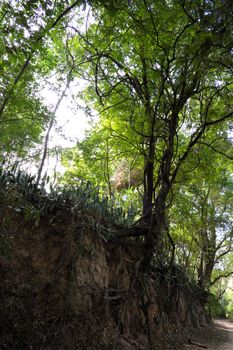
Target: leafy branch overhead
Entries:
(163, 81)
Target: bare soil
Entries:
(62, 287)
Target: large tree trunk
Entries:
(156, 214)
(158, 227)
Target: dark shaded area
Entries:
(64, 286)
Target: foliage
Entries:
(21, 193)
(27, 30)
(216, 307)
(83, 196)
(204, 238)
(228, 297)
(163, 93)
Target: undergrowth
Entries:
(19, 190)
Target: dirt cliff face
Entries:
(63, 287)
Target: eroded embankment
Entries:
(63, 287)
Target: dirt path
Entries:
(218, 338)
(225, 332)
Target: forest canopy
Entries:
(158, 75)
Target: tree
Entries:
(25, 41)
(166, 74)
(201, 217)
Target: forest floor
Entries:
(218, 337)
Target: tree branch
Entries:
(28, 60)
(215, 150)
(217, 121)
(223, 275)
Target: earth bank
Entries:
(63, 286)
